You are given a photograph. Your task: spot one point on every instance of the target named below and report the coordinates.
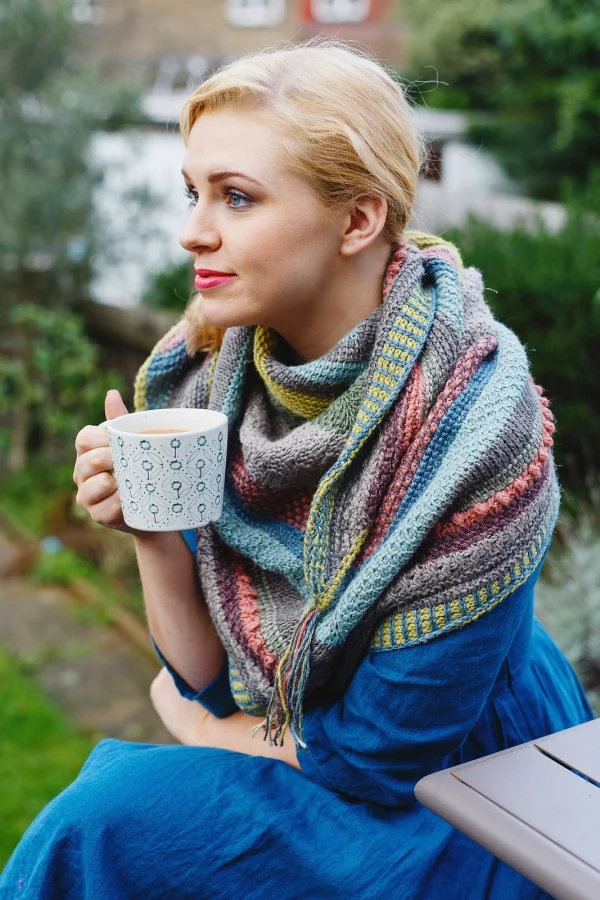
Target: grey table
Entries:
(535, 806)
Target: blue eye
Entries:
(238, 200)
(236, 196)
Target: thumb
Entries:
(114, 406)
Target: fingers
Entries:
(91, 463)
(114, 406)
(91, 437)
(96, 489)
(107, 511)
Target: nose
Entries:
(199, 233)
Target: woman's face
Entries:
(255, 221)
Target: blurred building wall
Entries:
(173, 44)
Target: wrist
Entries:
(156, 538)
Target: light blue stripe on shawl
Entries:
(274, 554)
(480, 430)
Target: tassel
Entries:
(286, 704)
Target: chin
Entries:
(224, 314)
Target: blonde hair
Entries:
(345, 124)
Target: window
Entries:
(255, 13)
(327, 11)
(179, 73)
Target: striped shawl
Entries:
(397, 487)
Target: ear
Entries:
(364, 223)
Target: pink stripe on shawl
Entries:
(443, 253)
(289, 505)
(397, 261)
(462, 374)
(227, 563)
(250, 614)
(401, 430)
(434, 547)
(462, 520)
(174, 339)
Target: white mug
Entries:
(173, 481)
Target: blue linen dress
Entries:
(150, 822)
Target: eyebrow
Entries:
(221, 176)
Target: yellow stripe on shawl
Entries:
(339, 576)
(423, 241)
(400, 629)
(305, 405)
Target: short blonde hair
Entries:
(346, 128)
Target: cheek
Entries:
(272, 241)
(287, 254)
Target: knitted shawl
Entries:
(399, 486)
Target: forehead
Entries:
(235, 140)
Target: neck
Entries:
(354, 291)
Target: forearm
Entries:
(177, 613)
(235, 733)
(195, 726)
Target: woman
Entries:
(362, 613)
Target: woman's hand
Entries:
(97, 489)
(191, 724)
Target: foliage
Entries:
(62, 568)
(27, 497)
(533, 64)
(51, 102)
(171, 288)
(40, 754)
(568, 599)
(51, 380)
(453, 53)
(40, 501)
(546, 288)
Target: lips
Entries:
(209, 278)
(213, 273)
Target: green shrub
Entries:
(62, 568)
(568, 599)
(171, 288)
(530, 65)
(546, 288)
(27, 497)
(52, 378)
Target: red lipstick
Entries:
(210, 278)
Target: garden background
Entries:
(525, 77)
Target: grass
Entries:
(40, 753)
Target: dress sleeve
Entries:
(216, 696)
(408, 708)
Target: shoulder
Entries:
(166, 368)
